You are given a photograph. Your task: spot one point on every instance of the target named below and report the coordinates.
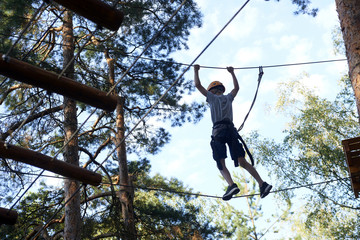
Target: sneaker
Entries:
(231, 190)
(265, 189)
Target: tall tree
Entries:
(311, 152)
(349, 12)
(47, 128)
(72, 195)
(165, 209)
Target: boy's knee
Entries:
(242, 162)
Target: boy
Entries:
(224, 132)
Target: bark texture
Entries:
(72, 228)
(349, 16)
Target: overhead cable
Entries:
(202, 66)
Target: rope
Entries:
(261, 73)
(201, 194)
(202, 66)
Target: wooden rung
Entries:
(8, 217)
(351, 144)
(48, 163)
(353, 158)
(352, 153)
(49, 81)
(354, 169)
(354, 146)
(355, 184)
(96, 11)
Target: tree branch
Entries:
(30, 119)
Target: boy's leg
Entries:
(232, 188)
(225, 173)
(245, 164)
(264, 186)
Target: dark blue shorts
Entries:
(222, 135)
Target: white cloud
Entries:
(243, 25)
(247, 55)
(285, 42)
(327, 16)
(275, 27)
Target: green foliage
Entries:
(338, 41)
(160, 214)
(148, 79)
(303, 7)
(14, 14)
(312, 152)
(34, 211)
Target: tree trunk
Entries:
(349, 16)
(126, 192)
(72, 209)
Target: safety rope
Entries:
(261, 73)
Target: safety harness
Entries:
(230, 124)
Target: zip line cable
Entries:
(186, 64)
(241, 196)
(153, 106)
(200, 194)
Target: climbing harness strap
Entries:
(261, 73)
(230, 124)
(246, 149)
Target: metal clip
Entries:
(261, 70)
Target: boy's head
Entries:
(216, 86)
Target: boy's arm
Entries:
(197, 80)
(235, 81)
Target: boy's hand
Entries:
(230, 69)
(196, 67)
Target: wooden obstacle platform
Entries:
(27, 73)
(96, 11)
(352, 153)
(7, 216)
(36, 159)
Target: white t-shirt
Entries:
(220, 106)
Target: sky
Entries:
(264, 33)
